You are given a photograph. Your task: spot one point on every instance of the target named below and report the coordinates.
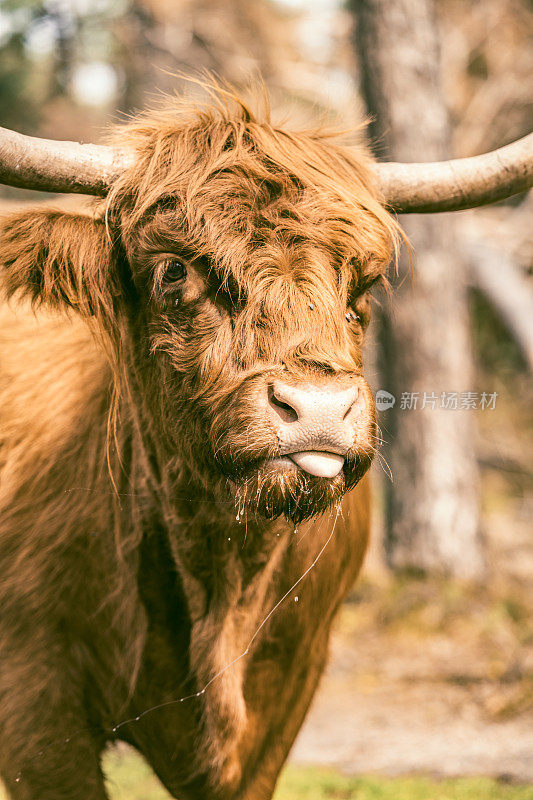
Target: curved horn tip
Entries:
(458, 184)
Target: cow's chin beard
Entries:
(268, 490)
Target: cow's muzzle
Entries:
(316, 423)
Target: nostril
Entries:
(285, 411)
(354, 402)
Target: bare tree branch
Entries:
(508, 291)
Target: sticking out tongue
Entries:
(325, 465)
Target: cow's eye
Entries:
(175, 271)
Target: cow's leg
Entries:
(287, 712)
(58, 773)
(47, 749)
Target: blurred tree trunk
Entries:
(136, 58)
(432, 520)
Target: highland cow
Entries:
(181, 420)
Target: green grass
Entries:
(130, 778)
(299, 783)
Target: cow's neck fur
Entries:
(225, 560)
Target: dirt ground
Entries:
(415, 710)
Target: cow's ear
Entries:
(58, 258)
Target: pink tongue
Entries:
(325, 465)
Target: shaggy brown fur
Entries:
(144, 540)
